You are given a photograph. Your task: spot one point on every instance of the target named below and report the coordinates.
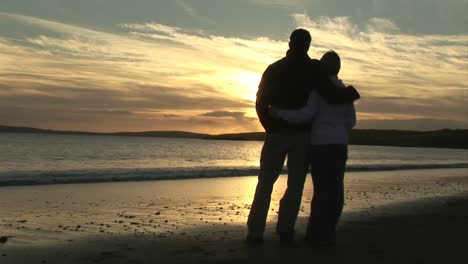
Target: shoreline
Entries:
(148, 175)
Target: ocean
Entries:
(29, 159)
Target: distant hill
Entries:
(447, 138)
(166, 134)
(252, 136)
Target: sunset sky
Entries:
(119, 65)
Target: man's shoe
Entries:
(286, 238)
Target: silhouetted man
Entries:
(286, 84)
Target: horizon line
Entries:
(183, 131)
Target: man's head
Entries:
(300, 40)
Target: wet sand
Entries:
(390, 217)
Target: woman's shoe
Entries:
(254, 240)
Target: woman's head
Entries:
(332, 62)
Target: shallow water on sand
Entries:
(201, 218)
(167, 208)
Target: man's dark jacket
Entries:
(287, 83)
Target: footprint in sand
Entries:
(4, 239)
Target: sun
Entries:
(248, 82)
(238, 84)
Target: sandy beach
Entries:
(414, 216)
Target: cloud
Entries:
(224, 114)
(417, 17)
(244, 123)
(81, 74)
(289, 4)
(153, 76)
(396, 73)
(192, 12)
(420, 124)
(377, 24)
(454, 108)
